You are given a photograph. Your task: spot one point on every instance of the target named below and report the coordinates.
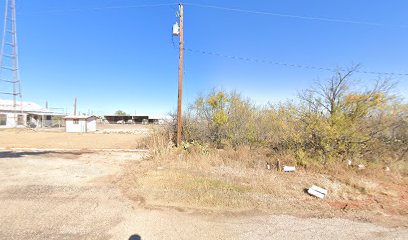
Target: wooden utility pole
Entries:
(180, 77)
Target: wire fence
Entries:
(53, 123)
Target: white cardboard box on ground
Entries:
(289, 169)
(317, 191)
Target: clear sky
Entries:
(115, 57)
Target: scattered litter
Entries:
(361, 166)
(289, 169)
(387, 169)
(317, 191)
(268, 166)
(349, 163)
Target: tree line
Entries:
(331, 121)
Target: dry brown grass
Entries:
(237, 180)
(199, 178)
(158, 141)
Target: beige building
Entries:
(80, 124)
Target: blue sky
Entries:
(123, 58)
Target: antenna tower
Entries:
(9, 67)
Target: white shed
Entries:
(80, 124)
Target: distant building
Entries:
(162, 119)
(80, 124)
(27, 114)
(136, 119)
(114, 119)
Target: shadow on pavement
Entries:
(12, 154)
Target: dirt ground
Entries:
(45, 195)
(107, 137)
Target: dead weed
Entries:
(238, 180)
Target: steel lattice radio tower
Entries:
(9, 67)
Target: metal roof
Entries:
(79, 117)
(7, 105)
(47, 113)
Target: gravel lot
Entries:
(72, 196)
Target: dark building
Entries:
(127, 119)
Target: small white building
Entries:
(80, 124)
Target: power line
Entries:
(251, 12)
(335, 20)
(264, 61)
(101, 8)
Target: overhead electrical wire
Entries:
(335, 20)
(302, 66)
(263, 61)
(240, 10)
(311, 18)
(101, 8)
